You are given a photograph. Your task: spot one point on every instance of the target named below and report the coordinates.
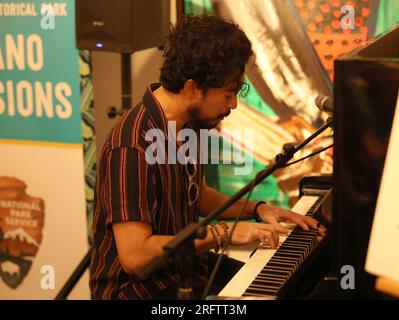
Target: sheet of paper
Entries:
(383, 250)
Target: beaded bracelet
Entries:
(214, 239)
(226, 235)
(219, 238)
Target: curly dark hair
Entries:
(211, 51)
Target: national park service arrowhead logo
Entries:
(21, 226)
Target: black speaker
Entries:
(121, 25)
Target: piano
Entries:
(277, 274)
(366, 84)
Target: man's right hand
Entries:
(248, 232)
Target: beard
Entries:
(201, 122)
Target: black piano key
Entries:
(294, 252)
(307, 245)
(262, 283)
(294, 243)
(277, 268)
(309, 234)
(288, 271)
(303, 237)
(309, 241)
(273, 272)
(292, 240)
(278, 258)
(271, 277)
(304, 247)
(291, 254)
(286, 257)
(297, 242)
(273, 287)
(259, 293)
(292, 248)
(289, 263)
(278, 265)
(265, 288)
(300, 231)
(293, 263)
(288, 252)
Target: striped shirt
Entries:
(128, 188)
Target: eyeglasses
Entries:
(193, 189)
(244, 90)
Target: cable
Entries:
(308, 156)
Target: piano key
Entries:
(265, 287)
(293, 263)
(281, 267)
(303, 237)
(280, 255)
(258, 293)
(293, 252)
(303, 248)
(298, 235)
(283, 261)
(274, 273)
(278, 266)
(264, 280)
(266, 284)
(270, 277)
(292, 248)
(295, 255)
(275, 268)
(290, 263)
(296, 243)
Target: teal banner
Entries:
(39, 72)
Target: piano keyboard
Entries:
(267, 270)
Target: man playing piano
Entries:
(140, 206)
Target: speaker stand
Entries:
(126, 81)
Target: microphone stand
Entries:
(181, 252)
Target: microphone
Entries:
(325, 104)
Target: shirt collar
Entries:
(154, 108)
